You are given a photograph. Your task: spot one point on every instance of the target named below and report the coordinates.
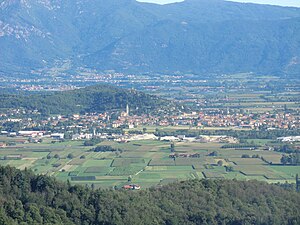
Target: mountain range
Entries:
(194, 36)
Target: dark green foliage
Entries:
(214, 153)
(100, 98)
(92, 142)
(286, 148)
(240, 146)
(26, 198)
(106, 148)
(292, 159)
(70, 156)
(172, 147)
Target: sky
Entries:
(294, 3)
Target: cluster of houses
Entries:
(85, 126)
(34, 134)
(201, 119)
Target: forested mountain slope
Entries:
(199, 36)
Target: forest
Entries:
(98, 98)
(26, 198)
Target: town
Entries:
(27, 123)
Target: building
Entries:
(30, 133)
(132, 187)
(58, 136)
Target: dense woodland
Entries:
(99, 98)
(26, 198)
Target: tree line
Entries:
(26, 198)
(241, 134)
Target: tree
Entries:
(284, 159)
(214, 153)
(92, 142)
(172, 147)
(220, 163)
(70, 156)
(144, 130)
(39, 199)
(229, 168)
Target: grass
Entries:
(103, 163)
(125, 170)
(288, 170)
(128, 161)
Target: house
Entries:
(2, 145)
(57, 136)
(76, 137)
(132, 187)
(4, 132)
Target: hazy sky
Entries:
(295, 3)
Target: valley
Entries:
(226, 127)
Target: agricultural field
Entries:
(146, 163)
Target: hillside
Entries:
(99, 98)
(198, 36)
(30, 199)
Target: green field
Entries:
(146, 163)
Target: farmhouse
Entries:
(132, 187)
(2, 145)
(58, 136)
(3, 132)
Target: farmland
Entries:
(147, 162)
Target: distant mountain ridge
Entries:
(197, 36)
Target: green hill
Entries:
(26, 198)
(99, 98)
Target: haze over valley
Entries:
(129, 112)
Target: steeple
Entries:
(127, 110)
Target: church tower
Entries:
(127, 110)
